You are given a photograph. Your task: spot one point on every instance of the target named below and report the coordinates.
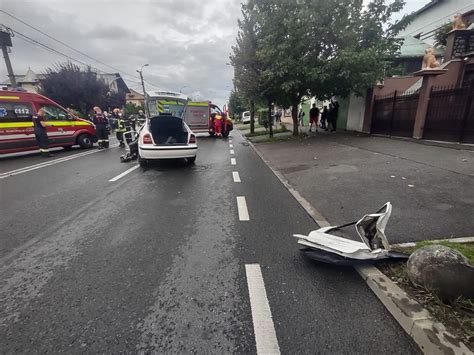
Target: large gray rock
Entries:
(442, 270)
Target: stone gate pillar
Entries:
(428, 76)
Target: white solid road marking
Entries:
(231, 146)
(49, 163)
(242, 207)
(236, 176)
(232, 152)
(233, 161)
(45, 164)
(265, 336)
(124, 173)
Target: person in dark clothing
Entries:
(333, 112)
(39, 126)
(301, 118)
(313, 117)
(324, 117)
(101, 128)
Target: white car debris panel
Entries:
(323, 246)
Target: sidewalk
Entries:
(344, 176)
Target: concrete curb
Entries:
(431, 336)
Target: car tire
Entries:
(191, 160)
(142, 162)
(85, 141)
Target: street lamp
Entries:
(147, 112)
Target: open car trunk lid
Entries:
(168, 130)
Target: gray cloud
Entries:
(186, 42)
(112, 32)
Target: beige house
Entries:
(29, 81)
(134, 97)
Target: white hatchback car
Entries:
(246, 117)
(166, 137)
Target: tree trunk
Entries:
(294, 115)
(252, 116)
(270, 133)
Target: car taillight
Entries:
(147, 139)
(192, 139)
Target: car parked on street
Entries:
(246, 117)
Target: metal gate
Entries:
(450, 115)
(394, 115)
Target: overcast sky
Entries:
(186, 42)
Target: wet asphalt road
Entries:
(155, 262)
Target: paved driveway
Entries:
(345, 175)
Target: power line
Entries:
(72, 48)
(52, 50)
(31, 40)
(64, 44)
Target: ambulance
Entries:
(198, 115)
(16, 125)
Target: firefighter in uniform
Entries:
(218, 125)
(41, 135)
(101, 128)
(121, 128)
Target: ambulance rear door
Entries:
(197, 116)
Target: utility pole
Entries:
(147, 111)
(6, 41)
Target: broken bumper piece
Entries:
(323, 246)
(331, 258)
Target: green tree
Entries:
(237, 103)
(113, 100)
(247, 68)
(132, 109)
(441, 35)
(320, 47)
(76, 87)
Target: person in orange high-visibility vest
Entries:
(218, 125)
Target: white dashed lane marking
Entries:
(265, 335)
(236, 176)
(232, 152)
(242, 207)
(124, 173)
(48, 163)
(233, 161)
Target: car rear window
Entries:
(15, 111)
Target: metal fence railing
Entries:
(394, 114)
(450, 115)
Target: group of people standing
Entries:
(324, 119)
(116, 121)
